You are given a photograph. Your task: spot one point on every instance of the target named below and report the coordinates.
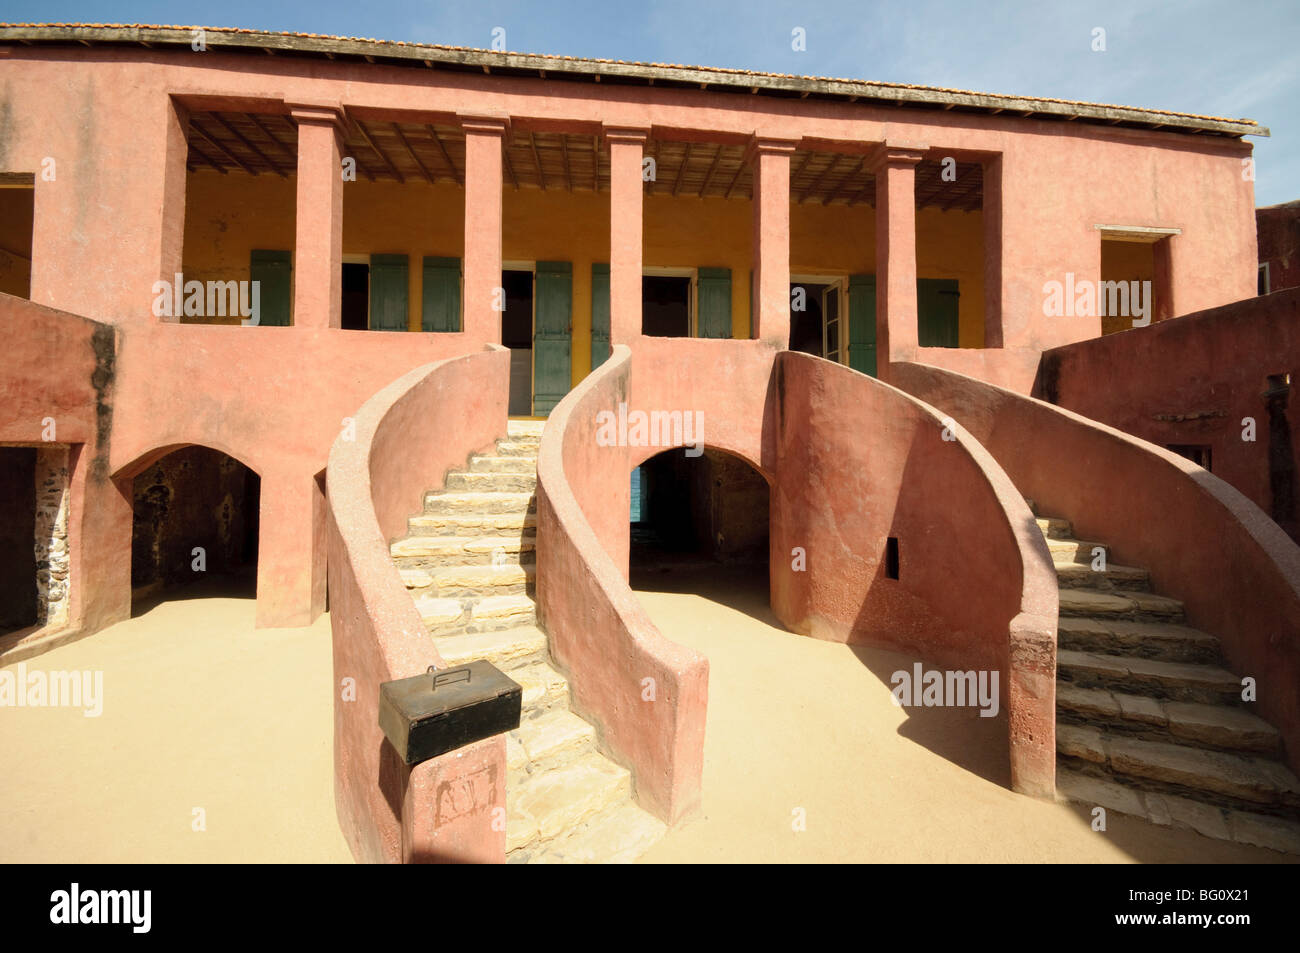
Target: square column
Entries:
(318, 240)
(894, 166)
(626, 187)
(771, 242)
(483, 297)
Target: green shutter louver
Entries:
(936, 312)
(440, 295)
(599, 315)
(713, 303)
(552, 326)
(862, 323)
(388, 292)
(272, 270)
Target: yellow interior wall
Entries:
(16, 240)
(228, 216)
(1125, 261)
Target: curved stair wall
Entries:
(858, 461)
(426, 422)
(599, 633)
(1235, 571)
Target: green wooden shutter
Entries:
(713, 303)
(272, 269)
(862, 323)
(388, 292)
(552, 324)
(440, 295)
(599, 315)
(936, 312)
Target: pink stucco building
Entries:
(277, 296)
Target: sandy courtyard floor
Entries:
(200, 710)
(798, 724)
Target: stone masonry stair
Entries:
(469, 562)
(1149, 722)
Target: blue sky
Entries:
(1236, 58)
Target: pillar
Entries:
(318, 240)
(626, 148)
(894, 166)
(290, 550)
(483, 298)
(771, 307)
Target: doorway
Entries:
(818, 324)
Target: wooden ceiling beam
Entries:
(370, 141)
(708, 177)
(221, 146)
(681, 170)
(446, 156)
(568, 169)
(266, 131)
(812, 186)
(537, 160)
(208, 159)
(249, 145)
(397, 130)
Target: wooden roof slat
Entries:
(249, 145)
(206, 158)
(568, 171)
(222, 146)
(832, 194)
(397, 130)
(713, 167)
(271, 136)
(812, 186)
(370, 141)
(455, 172)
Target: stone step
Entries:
(553, 803)
(441, 503)
(1139, 606)
(1075, 550)
(1177, 681)
(440, 615)
(507, 649)
(1054, 528)
(525, 429)
(618, 835)
(545, 689)
(523, 447)
(519, 522)
(484, 580)
(546, 742)
(1158, 640)
(1226, 778)
(490, 613)
(464, 480)
(1170, 810)
(436, 552)
(1223, 727)
(1075, 575)
(502, 464)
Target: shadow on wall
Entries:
(194, 520)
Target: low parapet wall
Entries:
(407, 437)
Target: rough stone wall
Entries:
(53, 560)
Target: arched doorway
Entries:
(700, 523)
(194, 525)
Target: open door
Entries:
(552, 334)
(832, 300)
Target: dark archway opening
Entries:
(700, 524)
(194, 525)
(19, 604)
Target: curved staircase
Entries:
(469, 562)
(1148, 721)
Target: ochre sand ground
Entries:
(202, 710)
